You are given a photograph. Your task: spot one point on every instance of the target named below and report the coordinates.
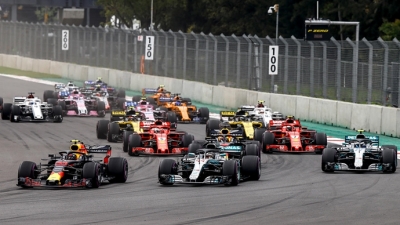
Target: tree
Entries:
(390, 30)
(47, 14)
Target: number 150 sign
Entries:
(273, 59)
(149, 54)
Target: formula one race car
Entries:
(1, 104)
(290, 136)
(31, 109)
(223, 128)
(360, 153)
(259, 113)
(74, 168)
(211, 163)
(241, 119)
(159, 140)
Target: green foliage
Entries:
(51, 14)
(390, 30)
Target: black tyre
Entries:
(268, 139)
(328, 156)
(168, 167)
(57, 114)
(212, 124)
(52, 101)
(204, 115)
(5, 114)
(193, 147)
(121, 103)
(102, 129)
(187, 101)
(125, 139)
(258, 134)
(48, 94)
(113, 130)
(101, 109)
(173, 119)
(321, 139)
(252, 149)
(151, 101)
(134, 141)
(136, 98)
(163, 108)
(230, 169)
(187, 139)
(27, 169)
(394, 147)
(1, 101)
(251, 166)
(62, 105)
(121, 93)
(15, 111)
(389, 156)
(91, 171)
(56, 93)
(118, 168)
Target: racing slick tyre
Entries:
(320, 139)
(251, 166)
(1, 103)
(91, 171)
(121, 93)
(5, 114)
(134, 141)
(389, 156)
(230, 169)
(125, 139)
(394, 147)
(56, 93)
(118, 168)
(187, 139)
(27, 169)
(193, 147)
(172, 118)
(268, 139)
(121, 103)
(252, 149)
(151, 101)
(188, 101)
(52, 101)
(48, 94)
(63, 105)
(204, 115)
(101, 109)
(113, 130)
(102, 129)
(136, 98)
(15, 111)
(328, 156)
(258, 134)
(211, 124)
(163, 108)
(167, 166)
(57, 114)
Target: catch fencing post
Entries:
(324, 70)
(355, 72)
(237, 61)
(398, 74)
(338, 67)
(385, 70)
(175, 56)
(312, 92)
(370, 63)
(226, 59)
(249, 61)
(260, 57)
(206, 58)
(184, 54)
(298, 64)
(215, 59)
(196, 57)
(286, 66)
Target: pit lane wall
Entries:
(372, 118)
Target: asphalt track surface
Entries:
(292, 188)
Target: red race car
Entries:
(290, 136)
(159, 139)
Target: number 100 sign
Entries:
(273, 59)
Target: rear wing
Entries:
(166, 99)
(118, 113)
(246, 108)
(227, 113)
(89, 82)
(130, 104)
(19, 100)
(149, 90)
(373, 139)
(98, 149)
(59, 86)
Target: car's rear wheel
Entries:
(48, 94)
(212, 124)
(252, 149)
(102, 129)
(118, 168)
(136, 98)
(5, 114)
(187, 140)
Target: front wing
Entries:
(286, 148)
(174, 179)
(152, 151)
(29, 182)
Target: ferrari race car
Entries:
(360, 153)
(290, 136)
(211, 163)
(31, 109)
(241, 119)
(74, 168)
(159, 140)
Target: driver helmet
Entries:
(260, 103)
(224, 124)
(99, 81)
(156, 130)
(30, 96)
(75, 97)
(160, 88)
(177, 103)
(289, 128)
(129, 118)
(73, 156)
(209, 155)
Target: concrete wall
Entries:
(378, 119)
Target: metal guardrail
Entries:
(317, 69)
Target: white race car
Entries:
(262, 112)
(31, 109)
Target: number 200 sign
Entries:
(149, 48)
(273, 59)
(65, 40)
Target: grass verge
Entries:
(12, 71)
